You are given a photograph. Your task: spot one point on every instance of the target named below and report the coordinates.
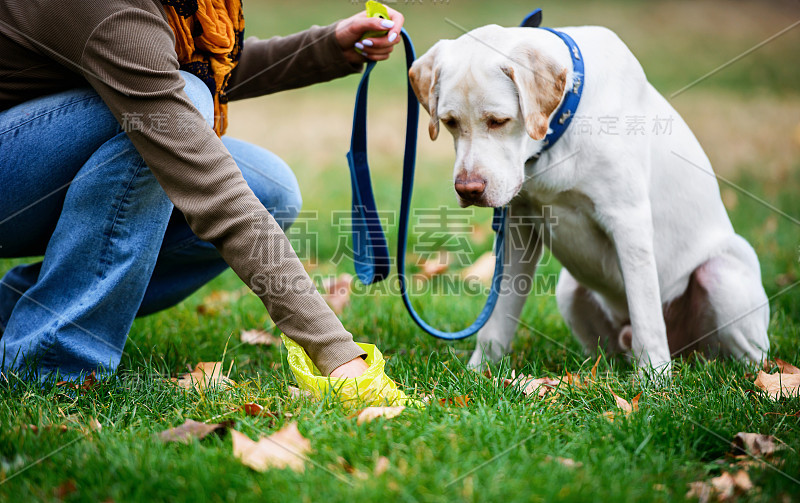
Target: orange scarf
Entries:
(208, 41)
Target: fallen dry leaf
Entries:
(435, 265)
(95, 425)
(700, 490)
(336, 292)
(635, 402)
(622, 403)
(786, 368)
(530, 385)
(456, 401)
(284, 448)
(778, 384)
(205, 374)
(724, 487)
(192, 429)
(259, 337)
(573, 380)
(217, 301)
(381, 465)
(371, 413)
(254, 409)
(755, 444)
(65, 489)
(61, 428)
(594, 368)
(88, 383)
(481, 270)
(348, 468)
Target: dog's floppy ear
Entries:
(540, 85)
(424, 76)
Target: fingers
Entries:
(398, 19)
(392, 37)
(350, 31)
(377, 54)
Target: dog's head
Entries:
(494, 89)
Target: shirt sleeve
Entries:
(282, 63)
(130, 61)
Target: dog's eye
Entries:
(450, 122)
(495, 123)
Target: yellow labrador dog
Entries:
(651, 263)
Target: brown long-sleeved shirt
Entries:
(124, 49)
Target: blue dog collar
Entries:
(572, 99)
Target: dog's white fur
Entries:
(651, 263)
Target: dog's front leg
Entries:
(523, 249)
(631, 229)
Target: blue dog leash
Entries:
(371, 253)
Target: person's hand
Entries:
(353, 368)
(349, 32)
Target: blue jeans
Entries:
(74, 189)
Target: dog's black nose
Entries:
(470, 188)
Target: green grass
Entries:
(499, 448)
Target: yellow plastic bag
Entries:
(373, 387)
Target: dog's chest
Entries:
(571, 232)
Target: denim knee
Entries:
(287, 207)
(199, 95)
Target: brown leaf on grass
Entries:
(530, 385)
(336, 292)
(756, 444)
(381, 465)
(285, 448)
(204, 375)
(192, 429)
(481, 270)
(65, 489)
(254, 409)
(259, 337)
(786, 368)
(700, 490)
(456, 401)
(778, 385)
(371, 413)
(61, 428)
(622, 403)
(573, 380)
(94, 425)
(345, 465)
(217, 301)
(594, 368)
(436, 264)
(635, 402)
(725, 487)
(88, 383)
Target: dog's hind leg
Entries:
(523, 249)
(586, 318)
(730, 305)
